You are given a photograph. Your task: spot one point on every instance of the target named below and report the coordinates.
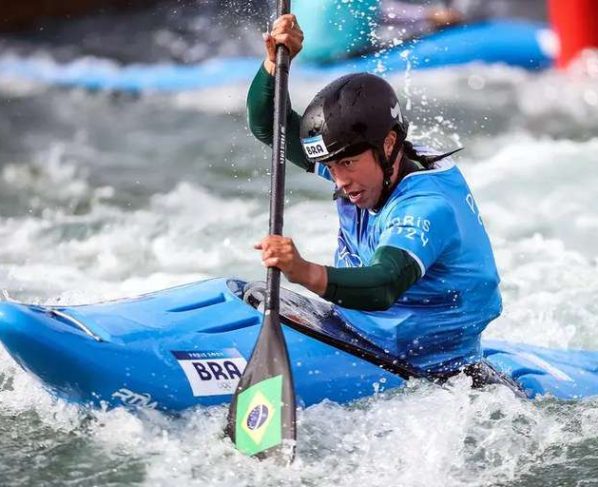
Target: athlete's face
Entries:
(360, 177)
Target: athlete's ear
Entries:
(389, 143)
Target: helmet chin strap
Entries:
(387, 164)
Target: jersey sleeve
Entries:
(423, 226)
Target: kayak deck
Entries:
(188, 345)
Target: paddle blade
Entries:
(261, 420)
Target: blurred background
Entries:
(129, 31)
(126, 166)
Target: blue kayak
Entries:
(188, 345)
(514, 42)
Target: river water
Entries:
(104, 196)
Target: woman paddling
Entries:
(414, 265)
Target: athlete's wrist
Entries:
(270, 67)
(315, 278)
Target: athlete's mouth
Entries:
(355, 195)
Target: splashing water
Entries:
(104, 197)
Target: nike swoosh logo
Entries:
(396, 112)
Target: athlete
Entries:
(414, 268)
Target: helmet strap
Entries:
(387, 164)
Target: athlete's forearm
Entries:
(374, 287)
(260, 117)
(315, 278)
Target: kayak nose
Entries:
(47, 345)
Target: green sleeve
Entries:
(260, 117)
(375, 287)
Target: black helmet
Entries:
(350, 115)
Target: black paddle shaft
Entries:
(262, 415)
(279, 149)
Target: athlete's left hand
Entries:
(278, 251)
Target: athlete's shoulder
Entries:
(424, 187)
(424, 204)
(443, 178)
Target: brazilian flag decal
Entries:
(259, 421)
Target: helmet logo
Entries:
(395, 112)
(315, 147)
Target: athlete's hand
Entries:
(281, 252)
(286, 31)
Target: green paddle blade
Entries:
(261, 420)
(258, 424)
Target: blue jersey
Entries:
(436, 324)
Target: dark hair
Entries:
(425, 160)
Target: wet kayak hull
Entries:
(186, 346)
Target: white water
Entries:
(102, 198)
(422, 436)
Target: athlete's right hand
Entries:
(286, 31)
